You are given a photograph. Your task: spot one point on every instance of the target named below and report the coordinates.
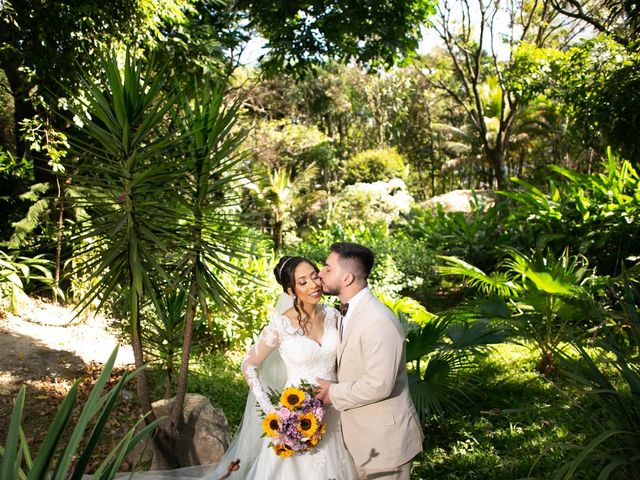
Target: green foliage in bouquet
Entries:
(66, 458)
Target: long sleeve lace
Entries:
(268, 340)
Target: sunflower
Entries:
(291, 397)
(283, 451)
(271, 424)
(308, 424)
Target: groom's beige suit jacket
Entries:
(379, 421)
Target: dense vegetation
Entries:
(146, 171)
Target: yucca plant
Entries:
(545, 299)
(156, 177)
(62, 457)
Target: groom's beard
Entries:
(330, 291)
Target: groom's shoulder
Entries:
(379, 305)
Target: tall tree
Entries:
(373, 32)
(618, 19)
(158, 206)
(42, 44)
(478, 48)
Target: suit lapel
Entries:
(353, 320)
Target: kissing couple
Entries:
(354, 356)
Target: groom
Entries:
(379, 422)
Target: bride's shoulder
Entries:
(282, 320)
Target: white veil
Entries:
(248, 439)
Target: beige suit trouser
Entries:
(398, 473)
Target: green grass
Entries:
(514, 425)
(218, 377)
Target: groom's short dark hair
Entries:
(352, 251)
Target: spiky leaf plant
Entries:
(62, 457)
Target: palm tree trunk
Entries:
(176, 418)
(496, 159)
(277, 234)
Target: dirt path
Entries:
(46, 349)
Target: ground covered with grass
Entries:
(512, 423)
(515, 424)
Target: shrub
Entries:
(479, 237)
(403, 265)
(596, 215)
(613, 381)
(545, 300)
(375, 165)
(59, 459)
(16, 272)
(372, 203)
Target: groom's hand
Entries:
(323, 391)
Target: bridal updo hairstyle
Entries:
(284, 273)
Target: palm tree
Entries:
(544, 299)
(157, 204)
(465, 146)
(281, 193)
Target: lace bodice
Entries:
(304, 358)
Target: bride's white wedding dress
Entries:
(281, 357)
(304, 360)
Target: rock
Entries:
(461, 200)
(203, 440)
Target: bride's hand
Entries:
(323, 391)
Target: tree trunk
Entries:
(59, 225)
(277, 234)
(161, 441)
(176, 419)
(496, 160)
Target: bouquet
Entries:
(296, 425)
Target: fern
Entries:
(28, 224)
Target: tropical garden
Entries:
(158, 157)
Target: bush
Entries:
(403, 265)
(595, 215)
(375, 165)
(478, 237)
(372, 203)
(16, 272)
(612, 380)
